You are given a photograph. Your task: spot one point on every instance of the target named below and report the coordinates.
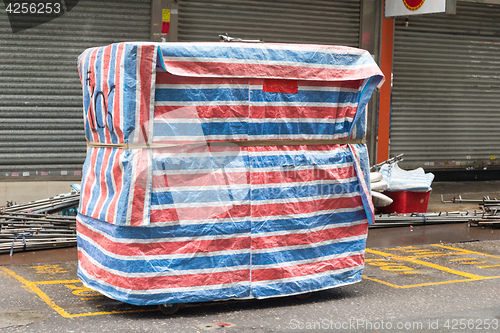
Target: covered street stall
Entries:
(223, 170)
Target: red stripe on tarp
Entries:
(144, 78)
(103, 193)
(117, 175)
(310, 206)
(168, 78)
(140, 187)
(217, 177)
(166, 246)
(307, 149)
(89, 181)
(302, 176)
(295, 239)
(197, 68)
(349, 84)
(199, 213)
(106, 57)
(256, 112)
(117, 105)
(163, 282)
(286, 272)
(296, 111)
(205, 111)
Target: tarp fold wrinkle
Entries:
(175, 207)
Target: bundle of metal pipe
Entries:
(397, 220)
(30, 231)
(49, 205)
(31, 226)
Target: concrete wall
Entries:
(23, 192)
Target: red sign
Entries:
(280, 86)
(413, 4)
(165, 27)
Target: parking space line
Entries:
(396, 286)
(426, 264)
(418, 252)
(33, 287)
(465, 251)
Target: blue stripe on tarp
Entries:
(237, 226)
(217, 197)
(125, 160)
(224, 129)
(202, 162)
(304, 96)
(195, 295)
(312, 284)
(242, 95)
(201, 95)
(302, 223)
(236, 194)
(129, 89)
(86, 96)
(281, 159)
(151, 265)
(307, 253)
(304, 191)
(280, 56)
(189, 128)
(298, 128)
(99, 113)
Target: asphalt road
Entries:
(439, 287)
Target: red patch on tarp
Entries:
(281, 86)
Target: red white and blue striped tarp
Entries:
(223, 170)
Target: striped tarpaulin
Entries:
(216, 170)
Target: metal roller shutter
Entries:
(41, 126)
(285, 21)
(446, 94)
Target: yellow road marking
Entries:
(465, 251)
(427, 283)
(488, 266)
(32, 287)
(427, 264)
(56, 281)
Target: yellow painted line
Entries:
(427, 264)
(434, 254)
(488, 266)
(32, 287)
(465, 251)
(57, 281)
(423, 284)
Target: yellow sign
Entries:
(165, 15)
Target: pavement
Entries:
(442, 278)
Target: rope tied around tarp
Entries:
(252, 143)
